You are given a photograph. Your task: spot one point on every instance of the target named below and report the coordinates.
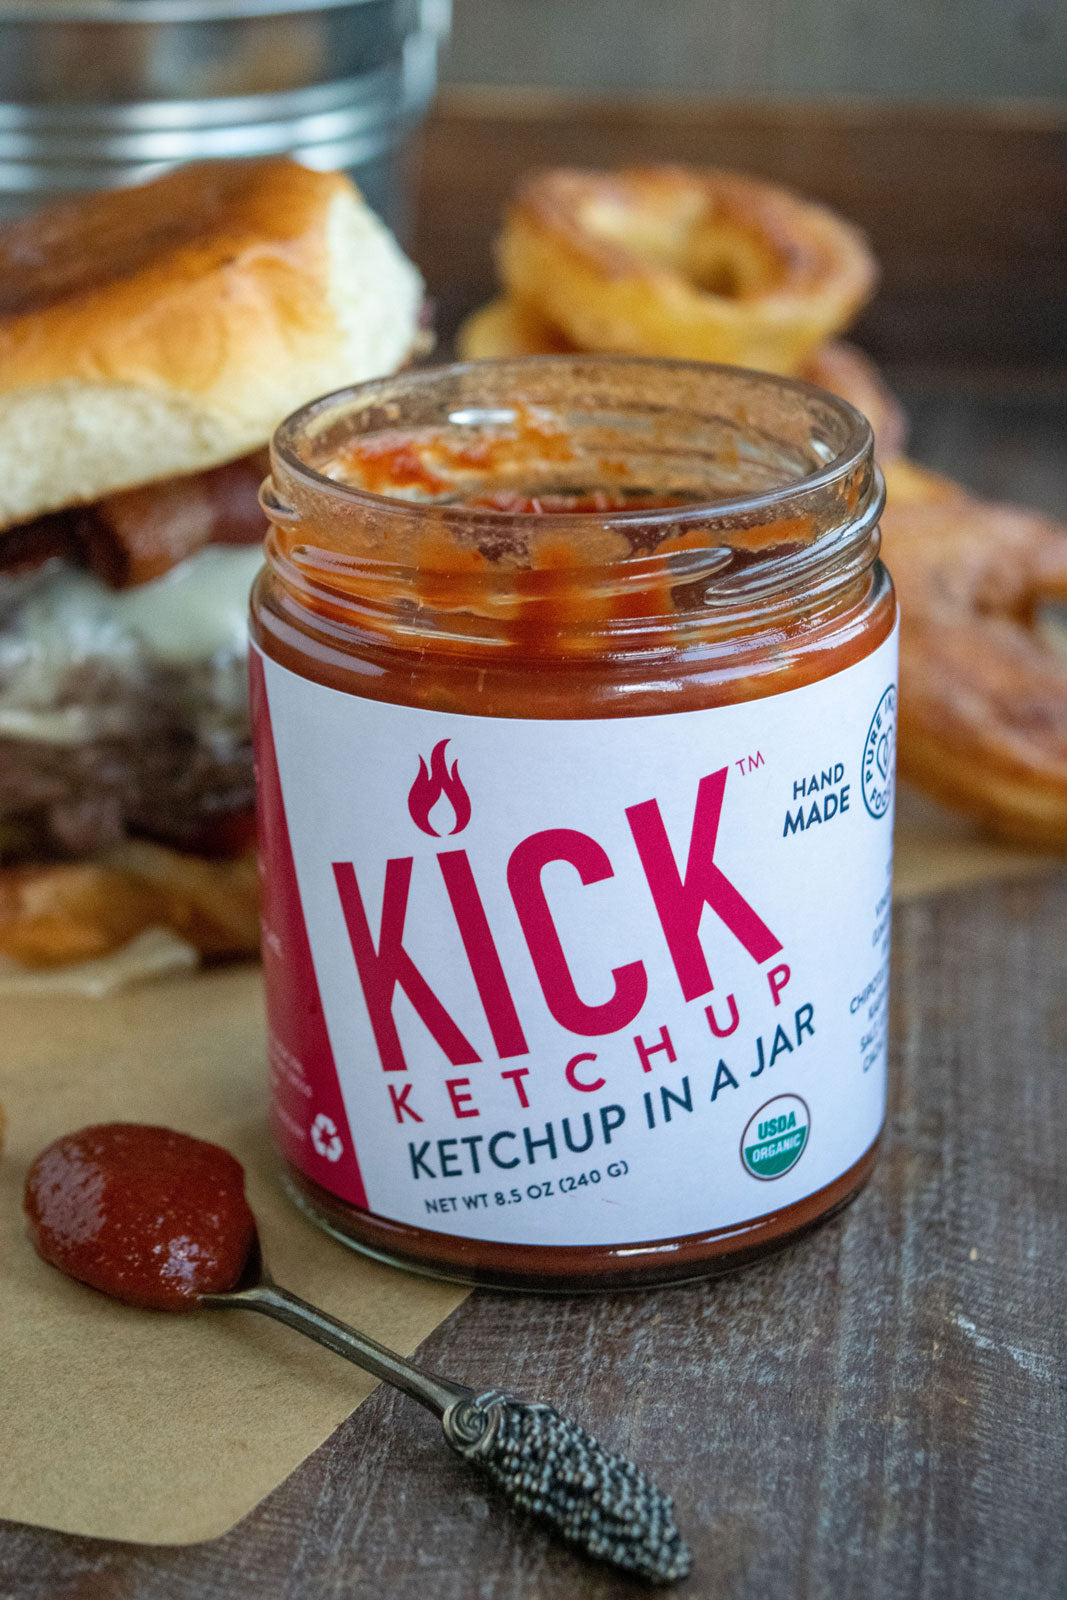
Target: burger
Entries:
(150, 341)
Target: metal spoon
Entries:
(543, 1463)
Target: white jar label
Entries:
(577, 982)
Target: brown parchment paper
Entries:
(158, 1428)
(167, 1429)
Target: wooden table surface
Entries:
(879, 1412)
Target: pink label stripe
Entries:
(310, 1122)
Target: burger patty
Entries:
(57, 801)
(124, 712)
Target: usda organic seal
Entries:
(776, 1137)
(879, 755)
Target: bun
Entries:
(155, 331)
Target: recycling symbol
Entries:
(325, 1137)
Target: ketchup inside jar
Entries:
(574, 693)
(143, 1214)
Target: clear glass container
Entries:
(590, 578)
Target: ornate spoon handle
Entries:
(546, 1465)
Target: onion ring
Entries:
(847, 372)
(983, 691)
(59, 912)
(506, 328)
(701, 265)
(908, 484)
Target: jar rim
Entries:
(855, 450)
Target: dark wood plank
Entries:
(966, 206)
(880, 1411)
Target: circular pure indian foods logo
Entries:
(776, 1137)
(879, 755)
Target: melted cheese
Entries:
(62, 619)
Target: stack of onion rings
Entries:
(698, 265)
(714, 266)
(983, 690)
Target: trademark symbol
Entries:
(749, 763)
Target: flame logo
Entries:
(432, 783)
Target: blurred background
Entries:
(940, 126)
(904, 49)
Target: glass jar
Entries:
(574, 692)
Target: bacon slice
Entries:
(33, 543)
(139, 534)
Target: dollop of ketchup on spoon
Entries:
(146, 1215)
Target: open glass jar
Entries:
(574, 694)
